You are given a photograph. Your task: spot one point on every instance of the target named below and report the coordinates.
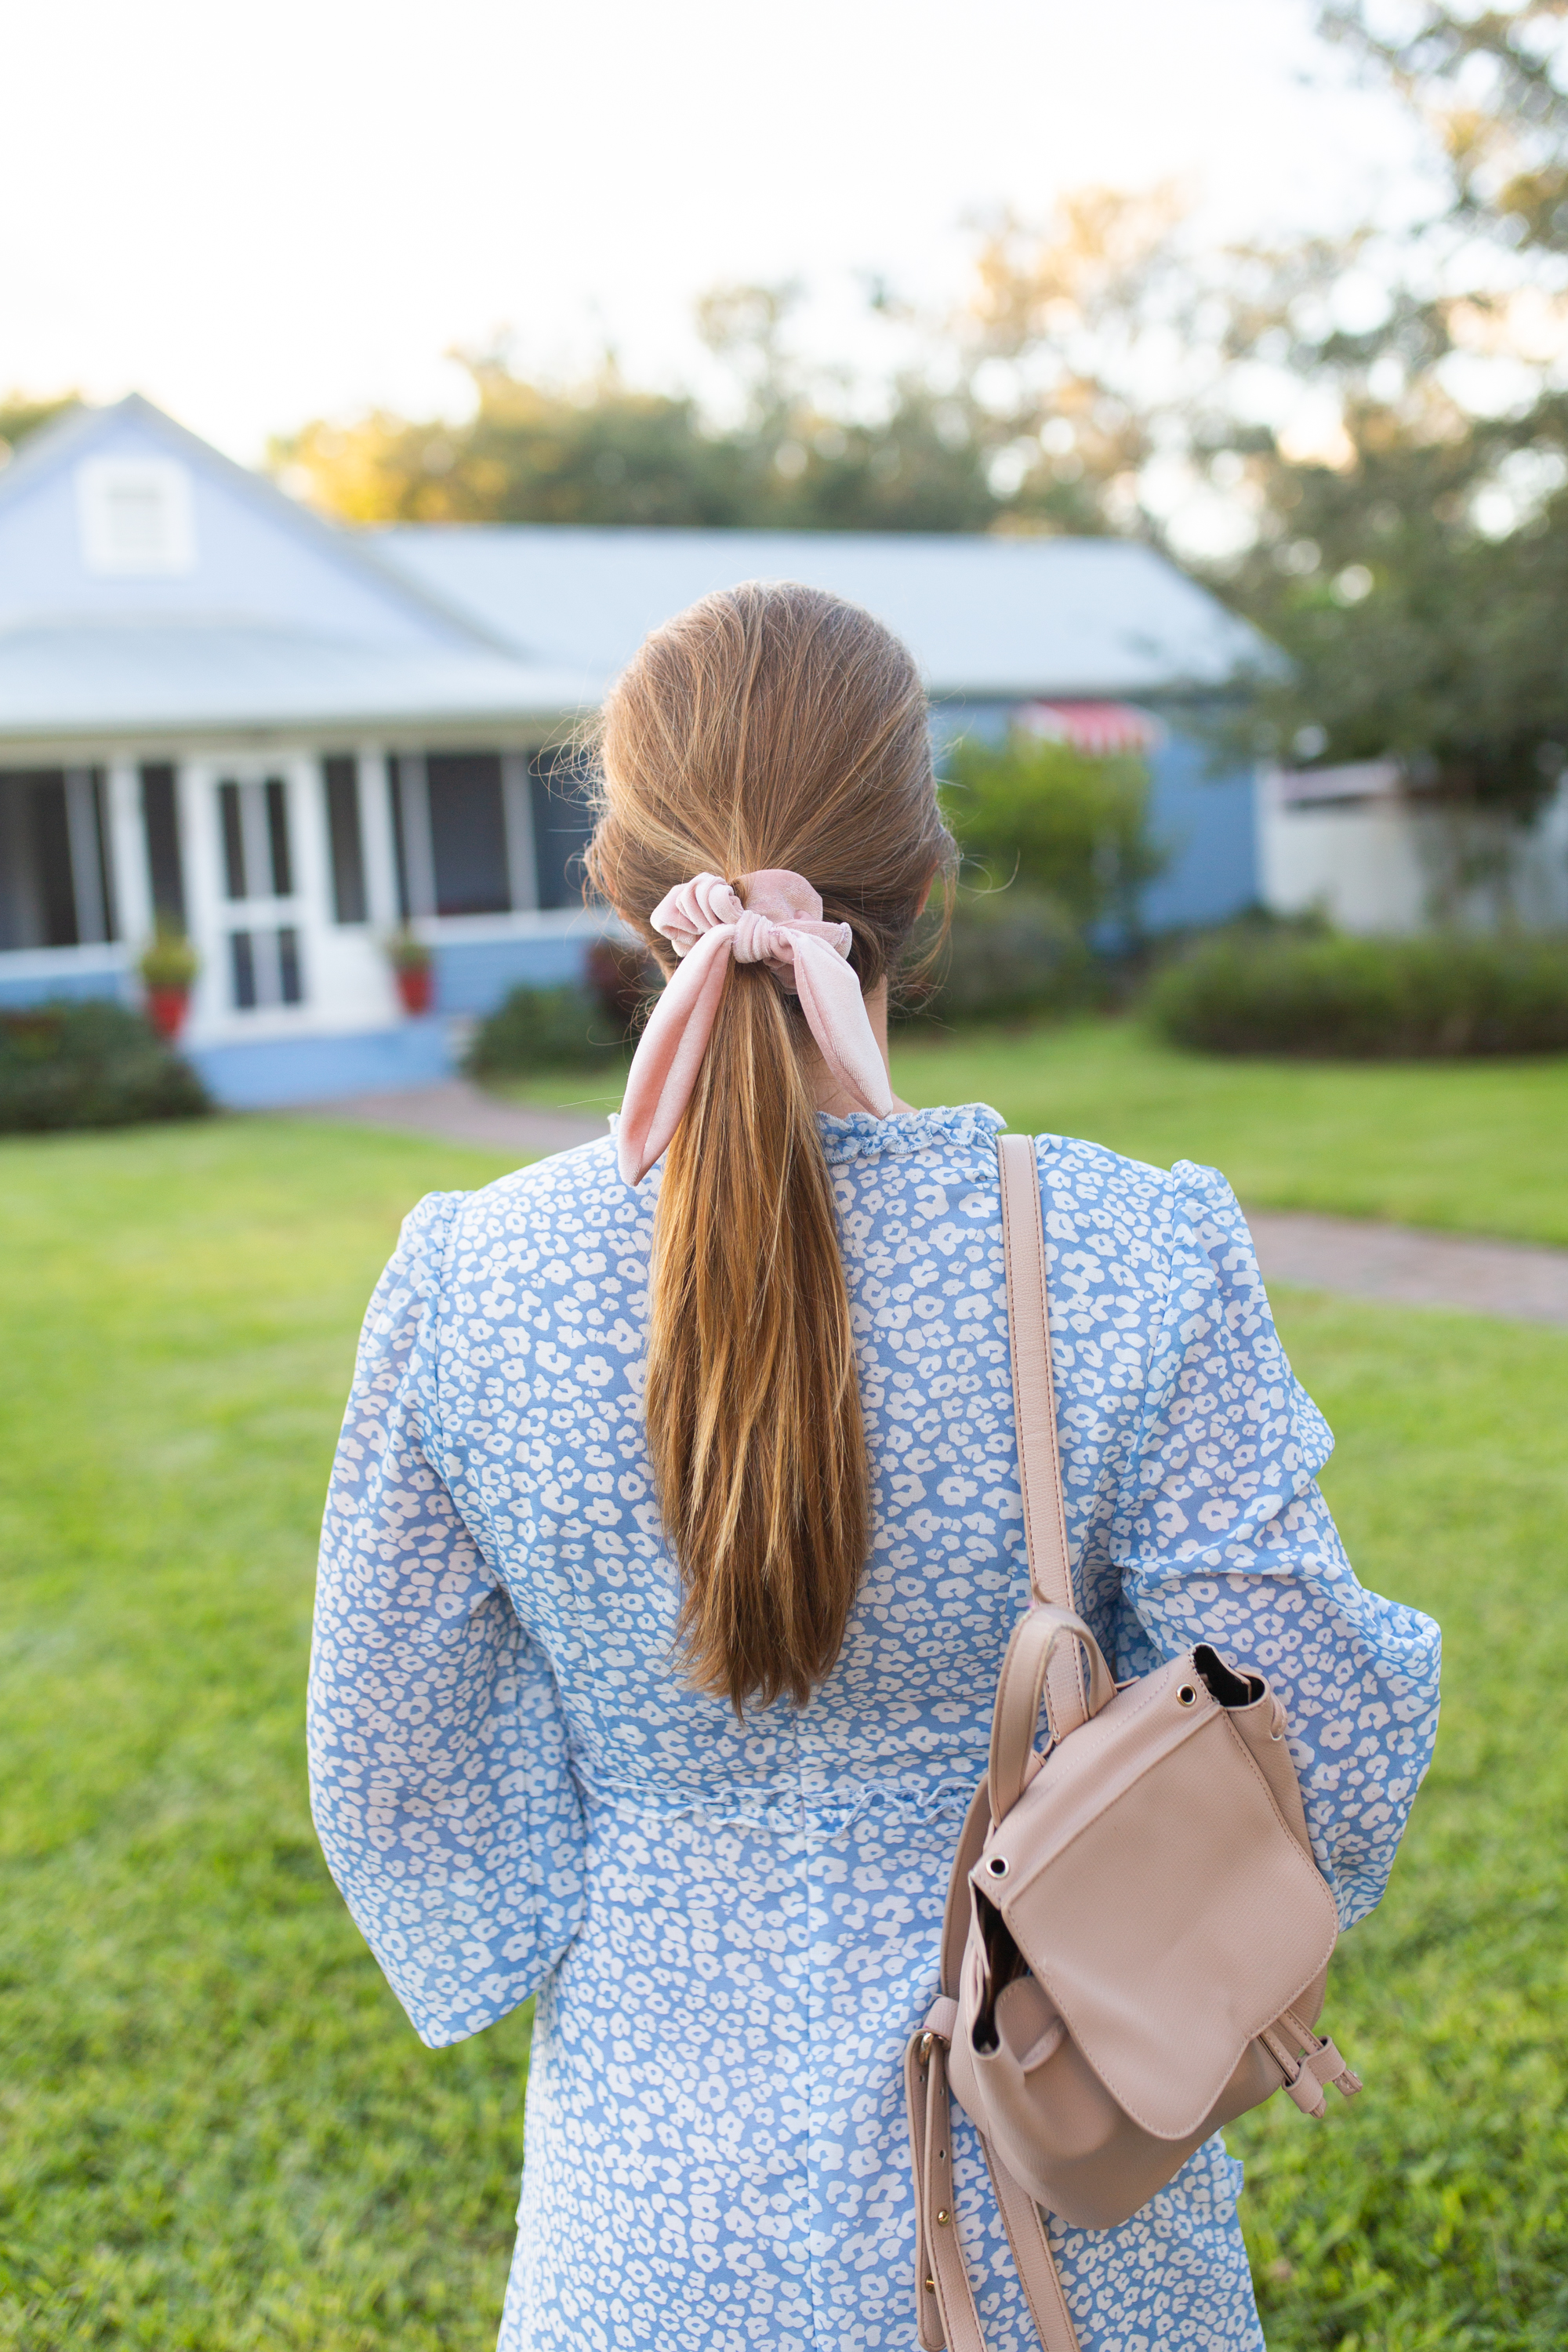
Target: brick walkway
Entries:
(1393, 1263)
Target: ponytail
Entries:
(753, 1406)
(769, 727)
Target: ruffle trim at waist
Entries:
(816, 1816)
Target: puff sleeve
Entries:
(440, 1783)
(1224, 1536)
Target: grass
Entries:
(1473, 1147)
(218, 2131)
(1469, 1147)
(1429, 2213)
(594, 1090)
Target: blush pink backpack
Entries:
(1137, 1937)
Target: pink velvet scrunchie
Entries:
(780, 925)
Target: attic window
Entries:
(135, 516)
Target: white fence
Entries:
(1355, 844)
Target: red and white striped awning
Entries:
(1098, 728)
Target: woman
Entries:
(674, 1543)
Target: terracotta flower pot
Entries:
(167, 1009)
(415, 986)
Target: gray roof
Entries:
(985, 617)
(281, 620)
(172, 678)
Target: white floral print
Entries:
(732, 1925)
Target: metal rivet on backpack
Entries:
(1186, 1695)
(997, 1865)
(942, 2213)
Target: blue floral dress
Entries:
(732, 1926)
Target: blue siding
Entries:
(269, 1073)
(1208, 822)
(474, 979)
(266, 1073)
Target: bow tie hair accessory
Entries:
(782, 926)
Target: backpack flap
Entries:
(1150, 1882)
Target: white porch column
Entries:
(130, 881)
(306, 788)
(196, 803)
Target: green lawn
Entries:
(1474, 1146)
(218, 2133)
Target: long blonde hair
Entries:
(768, 725)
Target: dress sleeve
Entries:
(439, 1776)
(1225, 1538)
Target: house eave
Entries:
(1159, 689)
(52, 742)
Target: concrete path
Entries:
(466, 1114)
(1393, 1263)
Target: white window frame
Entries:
(98, 480)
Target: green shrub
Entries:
(1367, 999)
(541, 1029)
(562, 1028)
(1007, 951)
(89, 1062)
(1065, 824)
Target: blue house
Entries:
(293, 739)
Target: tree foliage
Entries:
(1018, 411)
(1107, 371)
(606, 452)
(1073, 828)
(1488, 84)
(1416, 571)
(21, 413)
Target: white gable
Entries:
(149, 586)
(118, 514)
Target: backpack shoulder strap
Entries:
(1035, 1413)
(946, 2312)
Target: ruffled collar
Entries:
(862, 1136)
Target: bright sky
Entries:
(258, 214)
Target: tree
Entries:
(1411, 634)
(1101, 375)
(1073, 828)
(1488, 84)
(1417, 573)
(601, 453)
(21, 414)
(1056, 342)
(606, 452)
